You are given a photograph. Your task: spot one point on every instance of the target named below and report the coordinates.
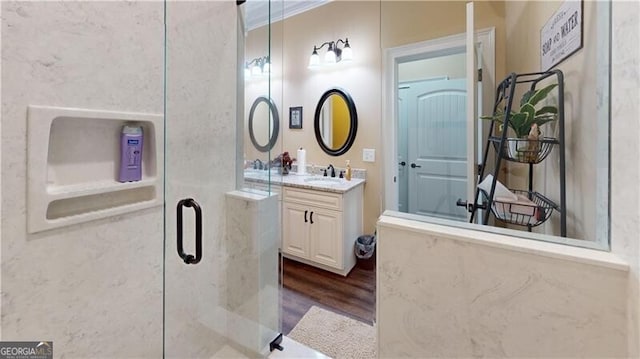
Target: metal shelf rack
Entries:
(536, 152)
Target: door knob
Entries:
(413, 165)
(403, 163)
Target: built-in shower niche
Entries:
(85, 152)
(73, 164)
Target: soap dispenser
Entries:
(347, 172)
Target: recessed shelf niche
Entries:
(73, 163)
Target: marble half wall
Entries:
(447, 292)
(252, 245)
(87, 287)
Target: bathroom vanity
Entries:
(322, 217)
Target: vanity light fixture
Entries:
(333, 55)
(260, 66)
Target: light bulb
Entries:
(256, 70)
(330, 57)
(314, 60)
(266, 68)
(247, 72)
(347, 53)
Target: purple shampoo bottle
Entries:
(130, 154)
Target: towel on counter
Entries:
(501, 190)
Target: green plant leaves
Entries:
(541, 94)
(529, 110)
(525, 98)
(492, 118)
(518, 122)
(522, 121)
(541, 120)
(534, 96)
(498, 116)
(547, 110)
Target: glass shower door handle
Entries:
(189, 258)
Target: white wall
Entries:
(489, 267)
(87, 287)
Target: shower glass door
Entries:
(221, 240)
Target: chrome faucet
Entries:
(257, 164)
(333, 170)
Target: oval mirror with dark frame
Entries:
(336, 122)
(264, 124)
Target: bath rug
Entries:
(335, 335)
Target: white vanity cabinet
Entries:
(320, 227)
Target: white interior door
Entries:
(437, 149)
(443, 138)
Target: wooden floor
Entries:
(304, 286)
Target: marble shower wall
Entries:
(444, 292)
(625, 157)
(87, 287)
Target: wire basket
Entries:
(520, 213)
(524, 150)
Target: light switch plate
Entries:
(368, 155)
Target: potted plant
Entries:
(526, 123)
(284, 163)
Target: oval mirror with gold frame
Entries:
(336, 122)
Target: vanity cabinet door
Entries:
(325, 237)
(295, 236)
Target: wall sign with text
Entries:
(561, 36)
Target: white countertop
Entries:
(318, 183)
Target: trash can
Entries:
(364, 249)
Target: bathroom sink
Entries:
(323, 181)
